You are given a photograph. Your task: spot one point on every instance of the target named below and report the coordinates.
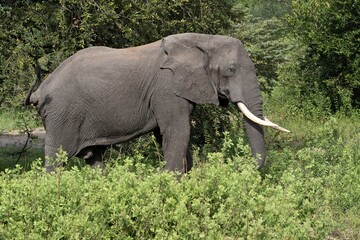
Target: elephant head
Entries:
(208, 66)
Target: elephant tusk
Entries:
(252, 117)
(276, 126)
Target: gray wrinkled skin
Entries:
(102, 96)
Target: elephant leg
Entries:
(51, 165)
(175, 146)
(94, 156)
(54, 140)
(175, 137)
(187, 165)
(158, 136)
(189, 160)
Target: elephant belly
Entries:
(78, 128)
(111, 127)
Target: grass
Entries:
(7, 121)
(325, 147)
(13, 119)
(11, 156)
(16, 122)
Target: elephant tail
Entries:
(30, 97)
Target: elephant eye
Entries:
(230, 71)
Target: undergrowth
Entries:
(307, 191)
(10, 156)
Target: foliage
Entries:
(12, 124)
(264, 34)
(327, 62)
(267, 9)
(50, 31)
(207, 132)
(309, 192)
(266, 43)
(14, 155)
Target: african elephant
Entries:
(102, 96)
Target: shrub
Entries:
(300, 195)
(328, 63)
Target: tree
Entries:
(50, 31)
(330, 61)
(267, 9)
(264, 34)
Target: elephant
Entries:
(102, 96)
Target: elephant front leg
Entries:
(172, 115)
(175, 144)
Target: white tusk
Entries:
(276, 126)
(257, 120)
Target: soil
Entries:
(17, 139)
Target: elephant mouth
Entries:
(252, 117)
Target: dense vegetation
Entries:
(50, 31)
(307, 59)
(329, 64)
(309, 190)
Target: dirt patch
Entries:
(16, 139)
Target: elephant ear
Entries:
(189, 64)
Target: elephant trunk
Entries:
(254, 129)
(255, 133)
(247, 96)
(254, 120)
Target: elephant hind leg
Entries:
(50, 159)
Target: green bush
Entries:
(305, 193)
(328, 62)
(264, 37)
